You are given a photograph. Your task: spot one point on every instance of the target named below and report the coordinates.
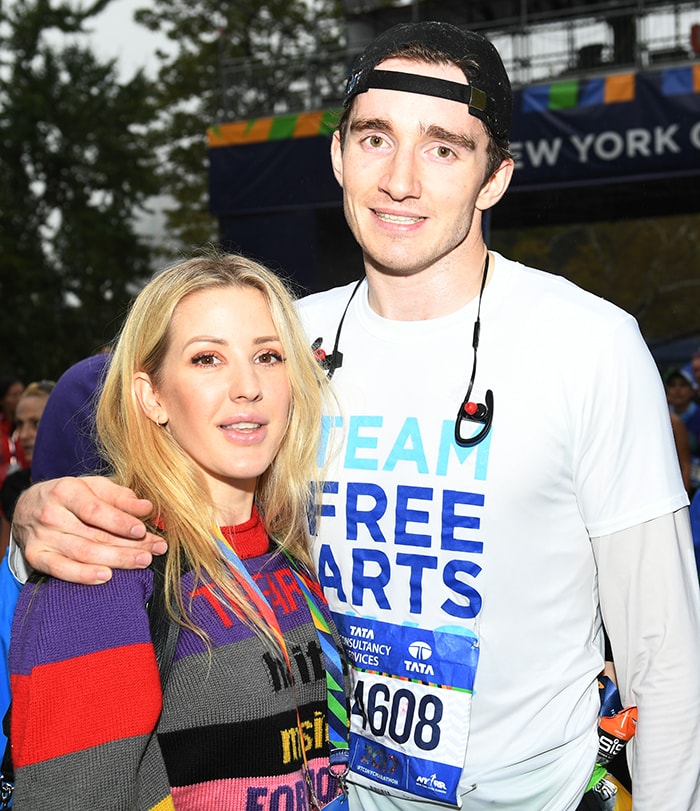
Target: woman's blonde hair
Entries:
(146, 458)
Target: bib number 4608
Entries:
(399, 715)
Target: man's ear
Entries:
(496, 186)
(337, 157)
(148, 398)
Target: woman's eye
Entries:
(205, 359)
(268, 358)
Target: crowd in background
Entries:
(682, 385)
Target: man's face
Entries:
(412, 170)
(679, 393)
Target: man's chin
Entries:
(397, 266)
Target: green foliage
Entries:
(649, 267)
(82, 152)
(76, 163)
(231, 61)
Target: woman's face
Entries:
(27, 416)
(10, 400)
(225, 390)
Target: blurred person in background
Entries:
(11, 456)
(680, 437)
(27, 414)
(681, 393)
(694, 367)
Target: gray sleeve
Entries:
(650, 602)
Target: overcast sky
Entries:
(116, 35)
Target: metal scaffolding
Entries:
(539, 40)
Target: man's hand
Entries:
(79, 529)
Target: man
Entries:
(471, 544)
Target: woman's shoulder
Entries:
(55, 620)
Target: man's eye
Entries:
(375, 140)
(444, 152)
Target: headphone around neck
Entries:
(469, 411)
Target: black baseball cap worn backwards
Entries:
(488, 94)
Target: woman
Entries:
(27, 415)
(211, 409)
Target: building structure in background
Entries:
(606, 125)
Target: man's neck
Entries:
(430, 293)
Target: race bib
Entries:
(339, 803)
(410, 706)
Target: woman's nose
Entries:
(245, 383)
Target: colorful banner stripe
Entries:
(273, 128)
(613, 89)
(676, 81)
(564, 95)
(578, 93)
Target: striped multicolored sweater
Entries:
(87, 728)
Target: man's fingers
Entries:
(79, 529)
(91, 561)
(112, 551)
(57, 565)
(100, 504)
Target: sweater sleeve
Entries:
(86, 694)
(651, 608)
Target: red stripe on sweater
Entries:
(67, 706)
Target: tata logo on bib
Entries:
(420, 652)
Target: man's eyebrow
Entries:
(458, 139)
(364, 124)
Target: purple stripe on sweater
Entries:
(66, 620)
(223, 626)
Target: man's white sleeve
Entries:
(650, 601)
(18, 565)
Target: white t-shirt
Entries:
(434, 556)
